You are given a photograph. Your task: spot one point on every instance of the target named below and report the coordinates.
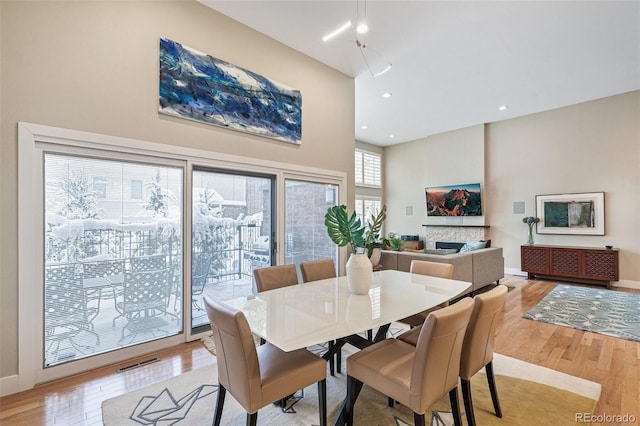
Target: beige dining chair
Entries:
(434, 269)
(317, 270)
(258, 376)
(477, 349)
(416, 376)
(272, 277)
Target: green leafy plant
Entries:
(395, 243)
(344, 228)
(372, 233)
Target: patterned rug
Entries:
(526, 392)
(609, 312)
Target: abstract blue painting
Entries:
(197, 86)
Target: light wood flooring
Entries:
(613, 362)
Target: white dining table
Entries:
(321, 311)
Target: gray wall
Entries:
(93, 66)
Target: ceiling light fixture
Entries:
(392, 136)
(376, 63)
(387, 95)
(364, 127)
(343, 28)
(502, 108)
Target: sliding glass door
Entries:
(306, 203)
(121, 239)
(232, 234)
(112, 255)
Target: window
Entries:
(112, 274)
(100, 187)
(368, 168)
(232, 229)
(306, 237)
(365, 207)
(136, 189)
(113, 230)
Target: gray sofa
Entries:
(479, 267)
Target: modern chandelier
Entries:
(373, 59)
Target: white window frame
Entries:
(362, 199)
(361, 177)
(32, 141)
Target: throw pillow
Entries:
(440, 252)
(472, 245)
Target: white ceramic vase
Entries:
(376, 255)
(359, 273)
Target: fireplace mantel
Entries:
(454, 232)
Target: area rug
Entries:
(609, 312)
(529, 394)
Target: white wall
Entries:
(94, 66)
(589, 147)
(451, 158)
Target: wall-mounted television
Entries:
(454, 200)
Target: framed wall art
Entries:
(197, 86)
(575, 214)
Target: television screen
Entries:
(454, 200)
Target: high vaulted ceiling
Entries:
(456, 62)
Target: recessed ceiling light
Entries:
(362, 28)
(336, 32)
(364, 126)
(392, 136)
(503, 108)
(386, 95)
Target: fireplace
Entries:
(454, 233)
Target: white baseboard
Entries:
(9, 385)
(514, 271)
(620, 283)
(626, 284)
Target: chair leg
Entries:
(468, 403)
(332, 359)
(322, 401)
(390, 402)
(219, 404)
(455, 406)
(353, 389)
(492, 388)
(252, 419)
(418, 419)
(339, 361)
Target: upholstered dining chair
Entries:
(317, 270)
(477, 349)
(258, 376)
(434, 269)
(416, 376)
(272, 277)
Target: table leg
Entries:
(341, 417)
